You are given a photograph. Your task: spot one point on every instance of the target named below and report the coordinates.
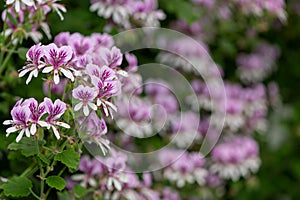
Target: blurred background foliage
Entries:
(279, 175)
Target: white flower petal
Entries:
(11, 130)
(56, 77)
(78, 106)
(99, 102)
(19, 137)
(122, 73)
(33, 129)
(8, 122)
(25, 71)
(111, 105)
(117, 185)
(105, 110)
(93, 106)
(78, 177)
(29, 77)
(92, 182)
(43, 124)
(56, 133)
(27, 132)
(65, 125)
(47, 69)
(86, 110)
(67, 74)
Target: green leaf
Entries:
(68, 157)
(27, 146)
(12, 19)
(63, 195)
(22, 53)
(187, 10)
(44, 158)
(80, 191)
(17, 187)
(56, 182)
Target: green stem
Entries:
(2, 67)
(30, 170)
(65, 91)
(59, 174)
(2, 42)
(36, 196)
(42, 176)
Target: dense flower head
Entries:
(128, 13)
(235, 157)
(259, 64)
(185, 129)
(241, 104)
(134, 116)
(183, 167)
(26, 14)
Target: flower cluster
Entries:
(248, 7)
(28, 116)
(259, 64)
(123, 12)
(188, 168)
(24, 18)
(111, 178)
(235, 157)
(246, 108)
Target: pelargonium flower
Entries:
(86, 95)
(111, 57)
(34, 55)
(20, 120)
(102, 40)
(91, 169)
(37, 111)
(55, 111)
(80, 44)
(118, 10)
(183, 167)
(236, 157)
(116, 164)
(257, 65)
(93, 130)
(146, 13)
(134, 116)
(104, 73)
(106, 89)
(185, 129)
(58, 60)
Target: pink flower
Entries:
(34, 55)
(104, 73)
(111, 57)
(95, 128)
(37, 111)
(20, 120)
(107, 84)
(58, 60)
(86, 95)
(55, 111)
(80, 44)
